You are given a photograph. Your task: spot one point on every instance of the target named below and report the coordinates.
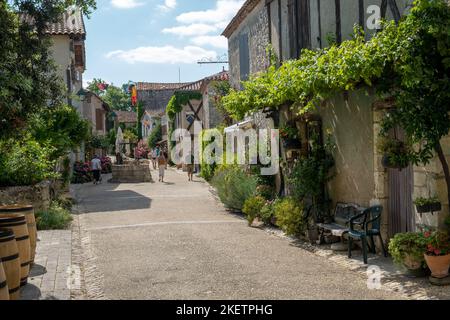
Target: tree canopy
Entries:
(117, 98)
(28, 78)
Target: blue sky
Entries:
(149, 40)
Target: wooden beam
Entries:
(280, 38)
(338, 21)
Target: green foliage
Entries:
(267, 212)
(178, 100)
(55, 218)
(266, 191)
(25, 162)
(408, 249)
(289, 215)
(61, 127)
(140, 114)
(65, 175)
(311, 173)
(426, 201)
(131, 135)
(29, 80)
(220, 89)
(99, 142)
(117, 98)
(437, 243)
(233, 186)
(252, 208)
(155, 136)
(397, 152)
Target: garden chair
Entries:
(369, 222)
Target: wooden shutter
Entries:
(79, 59)
(244, 57)
(99, 119)
(304, 25)
(292, 24)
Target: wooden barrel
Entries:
(28, 212)
(18, 224)
(4, 295)
(9, 254)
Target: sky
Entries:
(152, 40)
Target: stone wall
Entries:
(256, 26)
(133, 172)
(39, 196)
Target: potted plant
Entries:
(395, 153)
(437, 255)
(290, 136)
(407, 250)
(424, 205)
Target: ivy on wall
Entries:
(180, 99)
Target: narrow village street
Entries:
(175, 241)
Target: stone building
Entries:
(288, 26)
(95, 110)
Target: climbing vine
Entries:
(179, 99)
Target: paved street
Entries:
(175, 241)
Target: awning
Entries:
(241, 125)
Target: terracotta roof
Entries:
(70, 23)
(198, 85)
(245, 10)
(126, 116)
(144, 86)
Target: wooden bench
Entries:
(342, 215)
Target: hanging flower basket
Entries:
(435, 207)
(388, 163)
(290, 143)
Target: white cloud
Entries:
(191, 30)
(168, 5)
(126, 4)
(222, 14)
(166, 54)
(215, 41)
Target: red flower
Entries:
(427, 234)
(437, 252)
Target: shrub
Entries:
(234, 186)
(268, 212)
(25, 162)
(289, 215)
(55, 218)
(267, 192)
(155, 136)
(252, 208)
(408, 249)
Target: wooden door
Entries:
(400, 205)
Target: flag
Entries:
(133, 95)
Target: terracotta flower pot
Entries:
(438, 265)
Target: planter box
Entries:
(432, 207)
(292, 144)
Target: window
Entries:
(244, 57)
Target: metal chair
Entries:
(369, 222)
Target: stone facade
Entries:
(256, 27)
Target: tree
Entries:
(61, 127)
(155, 136)
(117, 98)
(28, 78)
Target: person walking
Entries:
(190, 166)
(96, 169)
(154, 158)
(162, 164)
